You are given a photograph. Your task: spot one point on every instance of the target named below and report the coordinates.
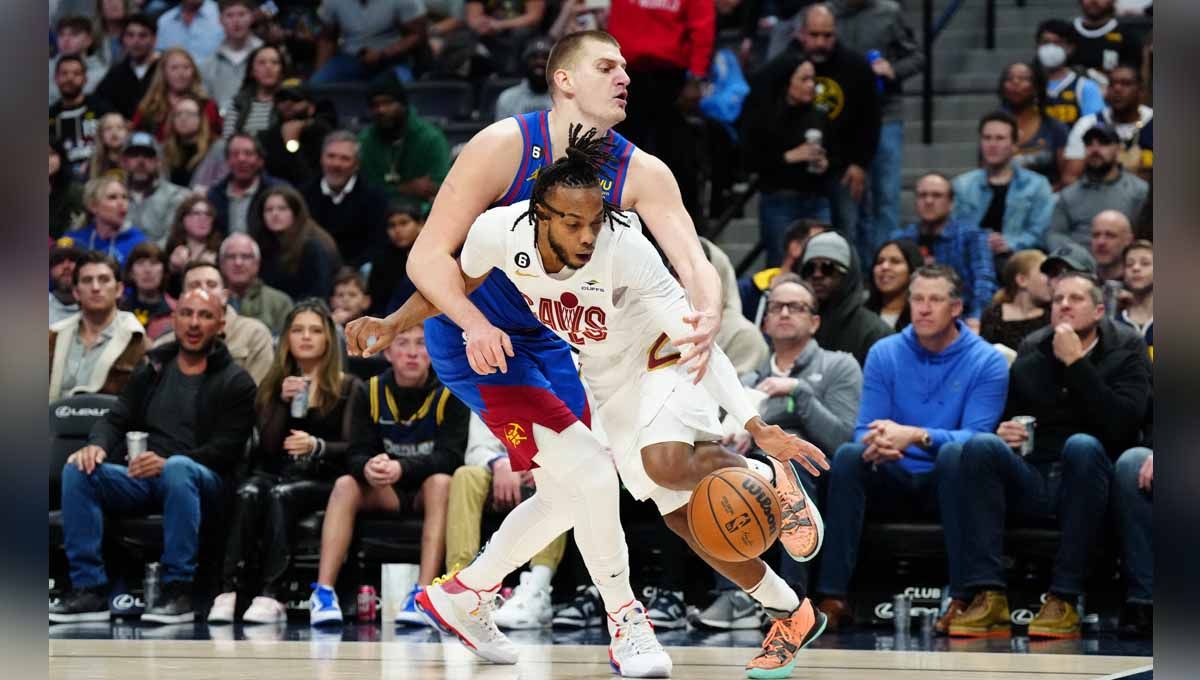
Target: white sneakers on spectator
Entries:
(469, 614)
(665, 608)
(323, 606)
(223, 608)
(265, 610)
(732, 610)
(584, 611)
(527, 607)
(634, 650)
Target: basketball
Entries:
(734, 514)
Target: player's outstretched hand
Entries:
(360, 331)
(487, 347)
(775, 442)
(706, 325)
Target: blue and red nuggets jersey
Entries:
(542, 384)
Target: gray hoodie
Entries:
(824, 405)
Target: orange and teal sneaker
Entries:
(788, 635)
(801, 529)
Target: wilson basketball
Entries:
(734, 514)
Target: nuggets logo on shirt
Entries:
(515, 434)
(830, 97)
(566, 315)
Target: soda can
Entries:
(901, 613)
(150, 585)
(366, 604)
(135, 444)
(300, 402)
(1029, 422)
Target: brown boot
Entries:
(986, 616)
(838, 612)
(942, 627)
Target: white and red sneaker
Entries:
(468, 614)
(634, 651)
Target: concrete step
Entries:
(968, 107)
(940, 156)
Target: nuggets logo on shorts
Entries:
(515, 434)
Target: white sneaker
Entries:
(265, 610)
(469, 614)
(528, 607)
(223, 608)
(634, 651)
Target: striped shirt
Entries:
(257, 120)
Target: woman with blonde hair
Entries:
(175, 77)
(192, 152)
(112, 134)
(107, 202)
(192, 239)
(1022, 305)
(298, 256)
(302, 450)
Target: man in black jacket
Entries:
(830, 267)
(848, 95)
(1089, 389)
(292, 145)
(195, 409)
(125, 83)
(342, 200)
(410, 435)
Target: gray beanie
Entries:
(829, 245)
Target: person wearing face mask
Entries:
(1069, 95)
(1104, 186)
(532, 93)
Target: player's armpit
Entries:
(417, 308)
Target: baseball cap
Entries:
(292, 89)
(1101, 132)
(537, 46)
(61, 251)
(1068, 257)
(141, 140)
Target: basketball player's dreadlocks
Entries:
(588, 156)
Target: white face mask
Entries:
(1051, 55)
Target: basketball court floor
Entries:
(120, 651)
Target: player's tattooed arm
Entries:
(414, 311)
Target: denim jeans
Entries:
(796, 574)
(779, 210)
(892, 488)
(183, 492)
(881, 207)
(995, 479)
(342, 68)
(847, 214)
(1135, 517)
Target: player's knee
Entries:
(667, 466)
(598, 480)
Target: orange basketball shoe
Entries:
(802, 530)
(788, 635)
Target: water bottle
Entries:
(901, 613)
(300, 402)
(872, 57)
(813, 136)
(150, 585)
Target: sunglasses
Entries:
(826, 268)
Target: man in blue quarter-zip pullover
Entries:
(926, 391)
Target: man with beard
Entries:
(63, 260)
(75, 117)
(848, 96)
(1104, 186)
(1111, 234)
(73, 36)
(197, 408)
(829, 266)
(292, 147)
(95, 350)
(340, 199)
(126, 82)
(1089, 390)
(1125, 114)
(533, 93)
(152, 199)
(400, 151)
(1101, 42)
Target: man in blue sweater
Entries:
(926, 391)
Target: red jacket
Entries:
(677, 32)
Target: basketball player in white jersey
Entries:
(588, 273)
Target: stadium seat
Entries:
(460, 133)
(349, 100)
(489, 92)
(440, 101)
(71, 420)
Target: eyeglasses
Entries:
(827, 269)
(791, 307)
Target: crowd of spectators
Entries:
(231, 182)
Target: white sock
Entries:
(773, 592)
(541, 575)
(767, 471)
